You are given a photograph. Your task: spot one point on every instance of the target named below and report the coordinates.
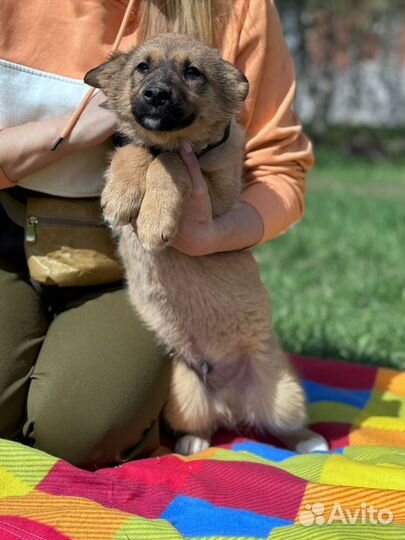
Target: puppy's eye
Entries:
(192, 73)
(143, 68)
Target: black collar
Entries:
(119, 139)
(214, 145)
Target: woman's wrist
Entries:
(26, 148)
(240, 228)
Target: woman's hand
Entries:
(200, 234)
(197, 233)
(95, 125)
(26, 149)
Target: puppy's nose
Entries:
(158, 95)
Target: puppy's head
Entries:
(170, 89)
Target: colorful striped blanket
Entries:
(242, 488)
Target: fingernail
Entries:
(188, 149)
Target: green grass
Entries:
(337, 280)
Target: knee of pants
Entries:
(23, 325)
(98, 432)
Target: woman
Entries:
(79, 376)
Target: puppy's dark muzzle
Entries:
(161, 106)
(158, 95)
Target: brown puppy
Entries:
(211, 312)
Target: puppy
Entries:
(212, 312)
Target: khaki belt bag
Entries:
(66, 241)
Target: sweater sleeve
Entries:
(278, 154)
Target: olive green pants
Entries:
(86, 384)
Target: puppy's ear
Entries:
(101, 76)
(237, 80)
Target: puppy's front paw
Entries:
(155, 230)
(191, 444)
(120, 203)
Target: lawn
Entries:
(337, 279)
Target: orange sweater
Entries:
(66, 38)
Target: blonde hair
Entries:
(203, 19)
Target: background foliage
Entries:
(337, 280)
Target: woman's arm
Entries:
(278, 154)
(26, 149)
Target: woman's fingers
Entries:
(190, 160)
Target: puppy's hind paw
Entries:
(304, 441)
(191, 444)
(312, 443)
